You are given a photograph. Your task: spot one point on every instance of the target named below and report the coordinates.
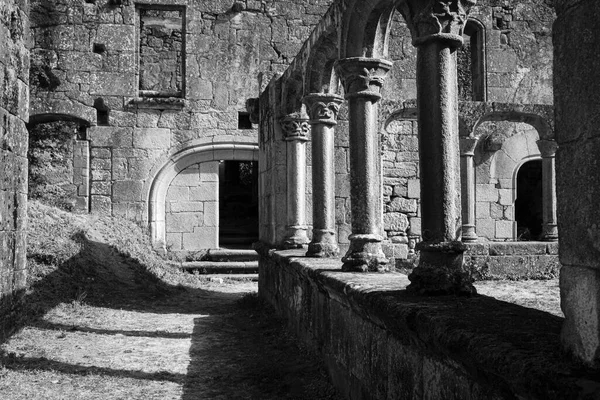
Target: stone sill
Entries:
(510, 349)
(512, 248)
(156, 103)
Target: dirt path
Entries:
(214, 341)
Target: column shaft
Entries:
(363, 78)
(550, 229)
(467, 146)
(323, 110)
(296, 134)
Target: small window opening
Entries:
(528, 205)
(99, 48)
(244, 121)
(102, 112)
(471, 63)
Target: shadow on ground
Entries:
(238, 348)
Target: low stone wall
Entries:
(381, 342)
(513, 260)
(500, 260)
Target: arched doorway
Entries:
(238, 203)
(528, 204)
(205, 159)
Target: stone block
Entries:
(485, 227)
(517, 248)
(482, 210)
(506, 197)
(206, 191)
(178, 194)
(486, 192)
(101, 204)
(395, 221)
(201, 238)
(183, 222)
(211, 213)
(415, 226)
(151, 138)
(414, 188)
(400, 204)
(504, 229)
(127, 191)
(186, 206)
(108, 136)
(188, 177)
(342, 185)
(174, 241)
(477, 249)
(580, 303)
(209, 171)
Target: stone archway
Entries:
(180, 161)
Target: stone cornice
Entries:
(362, 77)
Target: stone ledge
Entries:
(381, 342)
(156, 103)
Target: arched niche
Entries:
(472, 76)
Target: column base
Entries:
(441, 270)
(296, 238)
(468, 234)
(365, 254)
(580, 302)
(550, 233)
(323, 245)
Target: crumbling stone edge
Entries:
(379, 341)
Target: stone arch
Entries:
(320, 73)
(292, 93)
(180, 161)
(497, 164)
(365, 30)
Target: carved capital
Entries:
(467, 146)
(547, 148)
(295, 127)
(362, 77)
(323, 108)
(442, 20)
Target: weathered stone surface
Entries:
(373, 315)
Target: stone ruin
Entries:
(453, 136)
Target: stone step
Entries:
(223, 255)
(216, 267)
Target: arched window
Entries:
(528, 204)
(471, 63)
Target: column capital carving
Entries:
(323, 108)
(362, 77)
(431, 20)
(295, 127)
(547, 148)
(467, 146)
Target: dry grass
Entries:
(105, 318)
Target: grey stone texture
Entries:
(171, 75)
(14, 98)
(577, 92)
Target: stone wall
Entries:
(14, 68)
(192, 209)
(158, 78)
(59, 165)
(379, 341)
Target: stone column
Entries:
(548, 151)
(295, 129)
(322, 110)
(363, 79)
(467, 174)
(437, 28)
(575, 36)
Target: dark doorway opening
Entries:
(528, 205)
(238, 204)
